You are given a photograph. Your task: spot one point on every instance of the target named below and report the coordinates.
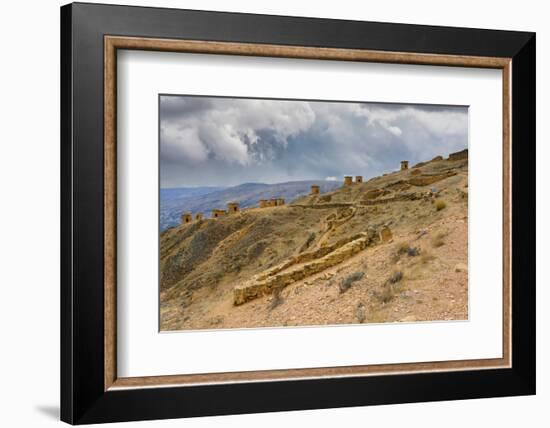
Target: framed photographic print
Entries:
(265, 213)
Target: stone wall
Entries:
(463, 154)
(267, 283)
(427, 179)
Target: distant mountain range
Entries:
(175, 201)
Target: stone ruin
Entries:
(218, 213)
(358, 178)
(186, 217)
(232, 207)
(404, 165)
(198, 216)
(463, 154)
(348, 180)
(314, 190)
(273, 202)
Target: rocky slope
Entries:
(390, 249)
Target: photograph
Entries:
(289, 212)
(261, 210)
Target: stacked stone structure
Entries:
(233, 207)
(218, 213)
(186, 217)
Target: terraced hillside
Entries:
(393, 248)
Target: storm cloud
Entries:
(229, 141)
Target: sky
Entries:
(213, 141)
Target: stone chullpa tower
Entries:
(186, 218)
(198, 216)
(358, 178)
(404, 165)
(280, 201)
(263, 203)
(314, 190)
(232, 207)
(348, 180)
(218, 213)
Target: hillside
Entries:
(390, 249)
(205, 199)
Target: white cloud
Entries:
(230, 140)
(331, 178)
(225, 130)
(183, 143)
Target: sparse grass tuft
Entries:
(403, 248)
(346, 283)
(395, 277)
(426, 257)
(438, 239)
(389, 288)
(311, 237)
(386, 295)
(440, 204)
(277, 299)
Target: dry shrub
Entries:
(386, 295)
(277, 299)
(346, 283)
(440, 204)
(395, 277)
(402, 248)
(405, 248)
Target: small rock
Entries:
(360, 313)
(461, 267)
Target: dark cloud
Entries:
(228, 141)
